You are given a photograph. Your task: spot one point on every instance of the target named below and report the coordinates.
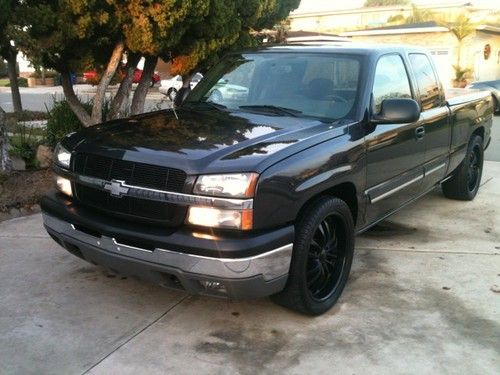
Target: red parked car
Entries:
(92, 77)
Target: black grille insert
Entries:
(138, 174)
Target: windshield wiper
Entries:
(274, 109)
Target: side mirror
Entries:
(397, 111)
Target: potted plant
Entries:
(462, 75)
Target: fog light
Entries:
(213, 285)
(64, 186)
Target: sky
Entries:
(318, 5)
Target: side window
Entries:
(391, 81)
(426, 81)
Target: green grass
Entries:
(4, 82)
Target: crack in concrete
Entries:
(135, 335)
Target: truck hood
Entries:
(204, 141)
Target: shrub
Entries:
(3, 68)
(63, 121)
(21, 82)
(24, 144)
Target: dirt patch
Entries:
(21, 191)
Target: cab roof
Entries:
(370, 49)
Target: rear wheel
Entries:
(322, 258)
(465, 181)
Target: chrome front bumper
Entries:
(270, 268)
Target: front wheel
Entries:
(465, 181)
(322, 258)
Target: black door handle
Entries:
(420, 132)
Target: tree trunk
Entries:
(73, 101)
(104, 83)
(14, 87)
(142, 88)
(5, 162)
(116, 108)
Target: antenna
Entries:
(175, 112)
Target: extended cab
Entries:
(257, 184)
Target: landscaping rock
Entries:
(44, 156)
(18, 164)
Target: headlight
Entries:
(64, 186)
(234, 185)
(62, 156)
(218, 218)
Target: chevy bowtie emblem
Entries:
(116, 188)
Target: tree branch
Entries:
(104, 83)
(123, 92)
(142, 88)
(73, 101)
(14, 87)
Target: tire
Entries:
(496, 107)
(318, 273)
(465, 180)
(172, 93)
(216, 96)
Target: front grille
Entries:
(137, 174)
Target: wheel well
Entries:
(479, 131)
(345, 191)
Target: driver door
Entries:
(395, 152)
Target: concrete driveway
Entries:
(423, 298)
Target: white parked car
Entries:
(222, 90)
(169, 87)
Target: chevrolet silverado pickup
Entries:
(257, 184)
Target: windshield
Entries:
(284, 84)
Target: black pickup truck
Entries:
(258, 183)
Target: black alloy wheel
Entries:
(327, 258)
(465, 180)
(322, 256)
(474, 168)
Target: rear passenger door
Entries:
(395, 152)
(435, 119)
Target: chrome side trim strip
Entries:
(435, 169)
(270, 265)
(166, 196)
(396, 189)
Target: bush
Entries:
(24, 144)
(63, 121)
(21, 82)
(3, 68)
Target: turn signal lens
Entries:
(217, 218)
(64, 186)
